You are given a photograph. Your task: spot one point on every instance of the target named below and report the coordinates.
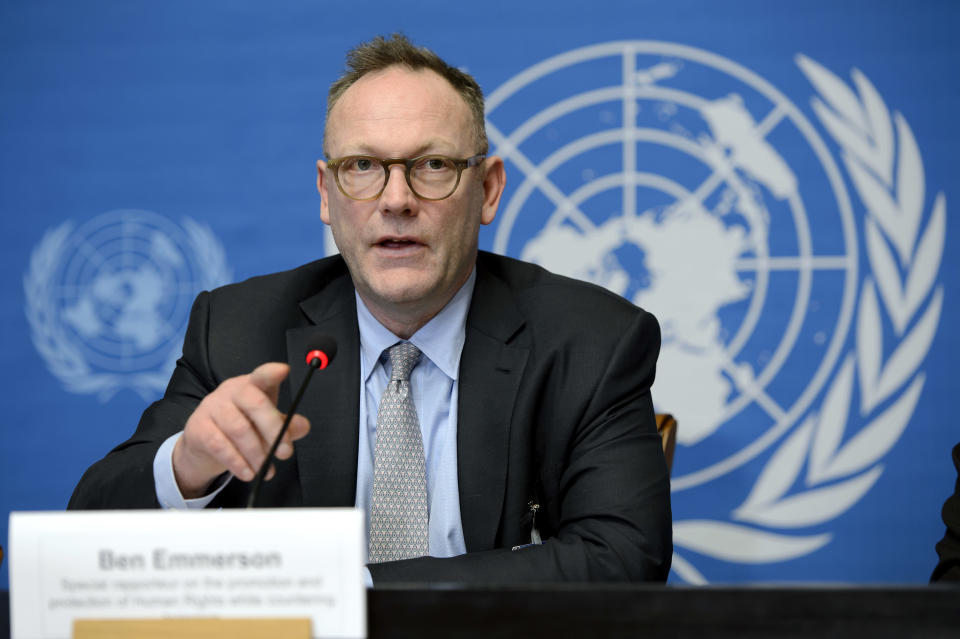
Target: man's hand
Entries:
(232, 430)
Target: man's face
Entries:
(407, 256)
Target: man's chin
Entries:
(404, 297)
(403, 291)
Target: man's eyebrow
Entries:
(431, 146)
(436, 146)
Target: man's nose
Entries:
(397, 196)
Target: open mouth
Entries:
(396, 243)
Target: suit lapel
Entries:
(491, 368)
(327, 457)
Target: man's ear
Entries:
(494, 179)
(322, 189)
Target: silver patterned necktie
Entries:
(398, 509)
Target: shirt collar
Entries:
(440, 340)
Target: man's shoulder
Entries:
(296, 283)
(277, 300)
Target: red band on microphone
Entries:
(318, 354)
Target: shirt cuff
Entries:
(165, 483)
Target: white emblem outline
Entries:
(63, 358)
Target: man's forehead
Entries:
(399, 86)
(400, 97)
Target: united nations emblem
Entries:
(108, 301)
(693, 187)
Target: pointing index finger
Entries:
(268, 377)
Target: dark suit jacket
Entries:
(948, 548)
(555, 409)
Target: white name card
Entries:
(266, 563)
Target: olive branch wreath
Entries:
(885, 167)
(63, 357)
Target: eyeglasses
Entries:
(430, 177)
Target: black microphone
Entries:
(320, 352)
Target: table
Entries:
(658, 611)
(584, 610)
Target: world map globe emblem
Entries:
(689, 185)
(108, 301)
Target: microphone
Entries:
(320, 352)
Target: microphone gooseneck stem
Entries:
(258, 480)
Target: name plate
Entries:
(264, 563)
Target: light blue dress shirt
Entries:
(434, 382)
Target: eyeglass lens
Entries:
(430, 176)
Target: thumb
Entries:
(268, 377)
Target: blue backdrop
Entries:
(773, 180)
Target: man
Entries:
(539, 448)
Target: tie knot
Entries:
(403, 357)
